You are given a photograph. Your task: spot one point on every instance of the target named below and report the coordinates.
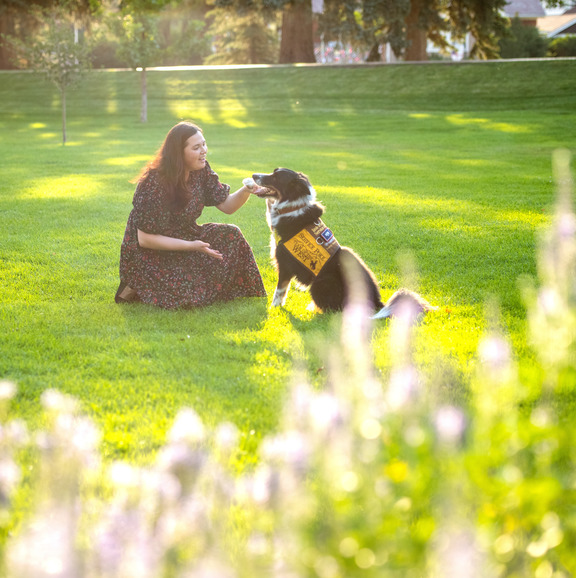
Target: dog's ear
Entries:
(303, 177)
(298, 187)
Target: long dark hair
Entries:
(169, 162)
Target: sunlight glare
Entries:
(230, 112)
(460, 120)
(70, 186)
(126, 160)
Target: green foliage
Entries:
(184, 41)
(138, 39)
(522, 42)
(371, 23)
(562, 46)
(53, 51)
(250, 38)
(170, 38)
(143, 6)
(365, 25)
(483, 20)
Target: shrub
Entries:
(563, 46)
(104, 54)
(522, 42)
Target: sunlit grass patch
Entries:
(69, 186)
(128, 160)
(447, 194)
(394, 175)
(487, 124)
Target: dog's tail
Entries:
(404, 302)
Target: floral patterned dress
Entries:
(185, 279)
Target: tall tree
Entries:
(407, 25)
(297, 41)
(297, 30)
(183, 33)
(55, 51)
(250, 39)
(366, 24)
(17, 20)
(139, 47)
(137, 29)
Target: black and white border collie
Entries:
(292, 208)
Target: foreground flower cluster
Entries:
(365, 478)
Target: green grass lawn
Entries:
(449, 163)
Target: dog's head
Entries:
(284, 185)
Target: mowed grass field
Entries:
(444, 166)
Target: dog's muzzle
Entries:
(259, 179)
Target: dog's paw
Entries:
(249, 182)
(313, 308)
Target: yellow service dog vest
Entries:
(313, 246)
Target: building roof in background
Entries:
(524, 9)
(553, 25)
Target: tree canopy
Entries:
(55, 52)
(408, 25)
(285, 31)
(19, 19)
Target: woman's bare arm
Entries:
(163, 243)
(235, 200)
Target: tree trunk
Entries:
(374, 54)
(7, 55)
(297, 44)
(63, 115)
(415, 35)
(144, 91)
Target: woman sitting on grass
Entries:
(166, 258)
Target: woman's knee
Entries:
(233, 232)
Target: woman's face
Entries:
(195, 151)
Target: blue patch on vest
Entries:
(327, 234)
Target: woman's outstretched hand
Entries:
(163, 243)
(205, 248)
(255, 189)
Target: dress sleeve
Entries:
(150, 211)
(214, 191)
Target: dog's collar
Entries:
(289, 209)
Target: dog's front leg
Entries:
(269, 204)
(281, 291)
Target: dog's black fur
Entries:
(291, 206)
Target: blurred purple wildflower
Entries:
(450, 424)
